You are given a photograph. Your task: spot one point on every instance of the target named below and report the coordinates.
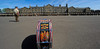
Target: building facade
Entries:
(50, 9)
(45, 9)
(78, 10)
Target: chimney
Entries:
(36, 5)
(66, 5)
(60, 5)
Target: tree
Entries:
(0, 11)
(4, 10)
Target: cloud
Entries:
(80, 2)
(52, 1)
(22, 3)
(60, 2)
(65, 2)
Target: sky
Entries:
(93, 4)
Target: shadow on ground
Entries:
(12, 20)
(29, 42)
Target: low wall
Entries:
(47, 14)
